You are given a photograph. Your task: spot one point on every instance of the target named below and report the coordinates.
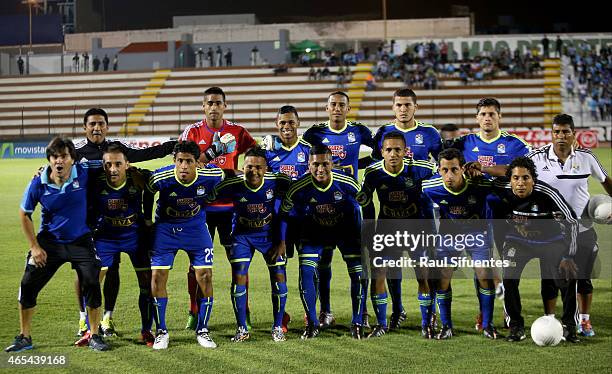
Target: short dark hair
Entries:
(187, 147)
(394, 135)
(564, 119)
(319, 149)
(255, 152)
(451, 154)
(449, 127)
(58, 144)
(341, 94)
(405, 92)
(115, 148)
(522, 162)
(488, 101)
(214, 91)
(95, 112)
(288, 109)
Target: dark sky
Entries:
(525, 16)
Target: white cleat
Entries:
(161, 340)
(204, 339)
(278, 335)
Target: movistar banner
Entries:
(23, 150)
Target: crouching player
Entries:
(255, 227)
(462, 211)
(180, 223)
(326, 202)
(397, 182)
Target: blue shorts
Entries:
(244, 246)
(109, 251)
(193, 239)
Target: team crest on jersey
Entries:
(219, 161)
(409, 182)
(132, 190)
(201, 190)
(501, 148)
(351, 137)
(472, 199)
(383, 187)
(418, 139)
(301, 157)
(338, 151)
(337, 195)
(75, 184)
(269, 194)
(534, 208)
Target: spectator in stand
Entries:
(85, 62)
(545, 46)
(312, 75)
(20, 65)
(558, 47)
(96, 63)
(75, 62)
(370, 82)
(105, 62)
(569, 87)
(115, 63)
(325, 73)
(593, 107)
(228, 57)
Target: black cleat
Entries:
(357, 332)
(517, 334)
(445, 333)
(491, 333)
(378, 331)
(397, 319)
(569, 334)
(427, 332)
(21, 343)
(96, 343)
(310, 332)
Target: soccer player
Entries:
(326, 202)
(256, 228)
(568, 168)
(462, 211)
(118, 226)
(540, 225)
(449, 131)
(180, 223)
(397, 182)
(344, 139)
(221, 142)
(61, 190)
(96, 125)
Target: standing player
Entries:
(326, 202)
(397, 182)
(61, 189)
(256, 228)
(220, 143)
(462, 211)
(95, 125)
(568, 169)
(180, 223)
(344, 139)
(118, 226)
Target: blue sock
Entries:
(358, 293)
(425, 301)
(308, 289)
(487, 303)
(146, 312)
(239, 302)
(325, 276)
(206, 305)
(395, 290)
(445, 299)
(279, 300)
(380, 302)
(159, 305)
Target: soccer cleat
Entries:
(585, 328)
(377, 332)
(357, 332)
(397, 319)
(365, 320)
(285, 323)
(517, 333)
(478, 324)
(192, 321)
(499, 291)
(82, 327)
(427, 332)
(242, 334)
(569, 334)
(84, 339)
(434, 322)
(491, 333)
(310, 332)
(146, 337)
(445, 333)
(21, 343)
(107, 327)
(326, 320)
(161, 340)
(278, 335)
(204, 339)
(96, 343)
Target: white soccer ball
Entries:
(599, 209)
(546, 331)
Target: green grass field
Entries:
(56, 320)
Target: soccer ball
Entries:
(599, 209)
(546, 331)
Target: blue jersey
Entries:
(291, 161)
(183, 203)
(499, 151)
(463, 211)
(254, 209)
(344, 143)
(399, 195)
(421, 141)
(64, 208)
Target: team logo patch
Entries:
(501, 148)
(201, 190)
(301, 157)
(409, 182)
(351, 137)
(313, 200)
(132, 190)
(243, 200)
(325, 141)
(443, 202)
(545, 168)
(75, 184)
(337, 195)
(202, 142)
(276, 158)
(472, 199)
(418, 139)
(269, 194)
(337, 151)
(534, 208)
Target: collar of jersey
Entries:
(337, 131)
(331, 181)
(252, 189)
(117, 188)
(211, 129)
(390, 173)
(183, 184)
(553, 156)
(489, 141)
(292, 147)
(460, 191)
(44, 178)
(416, 124)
